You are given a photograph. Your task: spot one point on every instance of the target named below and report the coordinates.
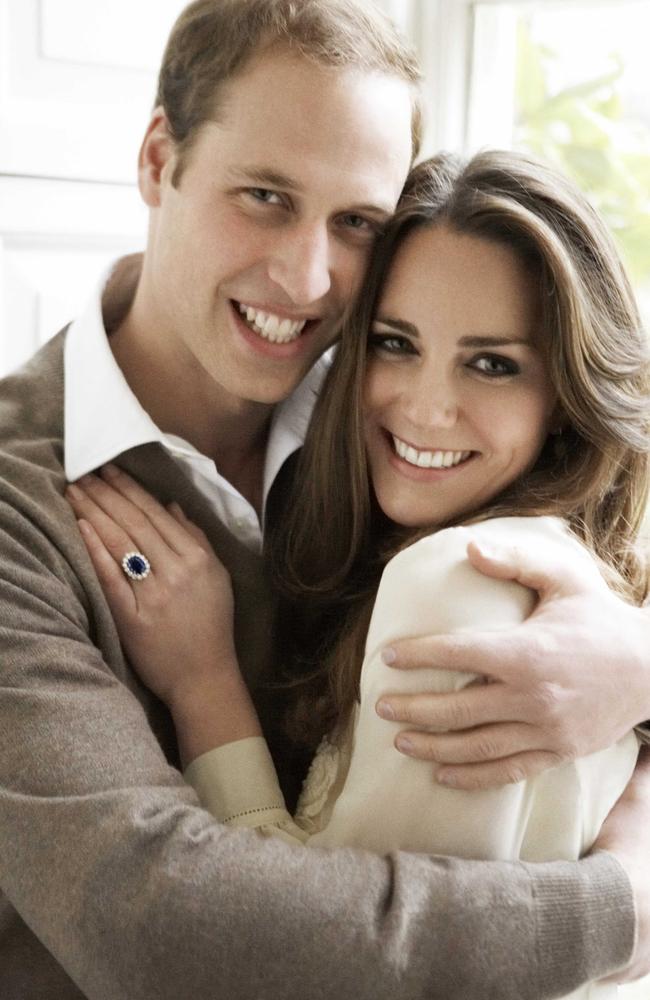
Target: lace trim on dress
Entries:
(316, 787)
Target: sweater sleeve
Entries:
(135, 890)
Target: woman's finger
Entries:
(116, 517)
(113, 537)
(119, 593)
(173, 531)
(199, 536)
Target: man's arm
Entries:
(624, 834)
(571, 680)
(107, 857)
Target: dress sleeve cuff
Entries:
(238, 784)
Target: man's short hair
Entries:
(212, 40)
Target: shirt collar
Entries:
(102, 415)
(104, 418)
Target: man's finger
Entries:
(475, 705)
(544, 574)
(497, 652)
(495, 774)
(486, 743)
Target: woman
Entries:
(491, 384)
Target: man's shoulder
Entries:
(31, 407)
(31, 434)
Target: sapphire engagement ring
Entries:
(136, 566)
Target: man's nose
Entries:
(301, 264)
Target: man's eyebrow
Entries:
(263, 177)
(266, 177)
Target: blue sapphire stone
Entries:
(137, 565)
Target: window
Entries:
(568, 81)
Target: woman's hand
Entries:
(176, 625)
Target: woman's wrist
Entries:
(212, 712)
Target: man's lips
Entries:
(276, 328)
(296, 342)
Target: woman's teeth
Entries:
(278, 331)
(429, 459)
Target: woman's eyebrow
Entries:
(493, 340)
(398, 324)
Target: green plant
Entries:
(584, 130)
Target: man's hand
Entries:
(570, 680)
(625, 835)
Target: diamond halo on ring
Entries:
(136, 566)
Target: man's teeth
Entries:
(278, 331)
(429, 459)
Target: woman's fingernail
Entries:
(389, 655)
(84, 527)
(73, 492)
(385, 710)
(110, 471)
(404, 744)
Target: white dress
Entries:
(364, 793)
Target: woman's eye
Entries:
(490, 364)
(390, 343)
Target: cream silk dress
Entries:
(363, 793)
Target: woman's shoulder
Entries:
(538, 531)
(442, 556)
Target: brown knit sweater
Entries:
(117, 886)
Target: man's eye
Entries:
(265, 196)
(359, 224)
(490, 364)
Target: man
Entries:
(280, 141)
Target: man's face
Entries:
(267, 234)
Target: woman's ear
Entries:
(156, 152)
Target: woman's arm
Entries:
(570, 680)
(176, 625)
(390, 801)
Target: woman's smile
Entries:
(457, 399)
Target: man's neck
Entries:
(183, 400)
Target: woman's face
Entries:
(458, 398)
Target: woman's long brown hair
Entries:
(334, 542)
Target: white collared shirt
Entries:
(104, 418)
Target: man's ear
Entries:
(156, 152)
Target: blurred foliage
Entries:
(584, 129)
